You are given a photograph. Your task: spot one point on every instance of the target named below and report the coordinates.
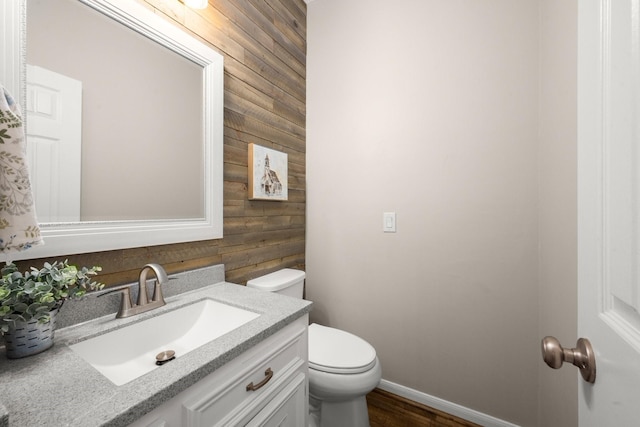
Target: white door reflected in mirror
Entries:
(54, 150)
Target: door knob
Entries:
(582, 356)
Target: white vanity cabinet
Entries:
(266, 385)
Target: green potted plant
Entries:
(30, 301)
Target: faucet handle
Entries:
(125, 301)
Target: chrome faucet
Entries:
(127, 308)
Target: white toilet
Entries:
(343, 368)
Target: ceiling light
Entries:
(197, 4)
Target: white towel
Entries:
(18, 224)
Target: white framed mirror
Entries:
(184, 200)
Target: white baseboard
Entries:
(443, 405)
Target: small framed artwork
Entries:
(267, 174)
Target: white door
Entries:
(609, 208)
(54, 133)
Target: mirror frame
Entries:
(98, 236)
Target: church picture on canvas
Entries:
(267, 174)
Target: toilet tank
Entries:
(286, 282)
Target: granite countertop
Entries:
(58, 388)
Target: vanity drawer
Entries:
(222, 397)
(250, 388)
(288, 408)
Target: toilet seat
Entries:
(339, 352)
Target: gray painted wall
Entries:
(448, 113)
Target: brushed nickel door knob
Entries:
(582, 356)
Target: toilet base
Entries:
(339, 400)
(349, 413)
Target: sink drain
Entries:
(165, 356)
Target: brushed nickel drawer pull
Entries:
(268, 375)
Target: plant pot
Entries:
(29, 338)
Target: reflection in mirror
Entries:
(145, 111)
(114, 120)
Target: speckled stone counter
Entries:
(58, 388)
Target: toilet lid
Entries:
(339, 352)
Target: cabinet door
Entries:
(287, 408)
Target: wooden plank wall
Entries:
(264, 48)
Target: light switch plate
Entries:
(389, 222)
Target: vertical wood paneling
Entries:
(264, 45)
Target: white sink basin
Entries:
(130, 352)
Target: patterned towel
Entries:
(18, 224)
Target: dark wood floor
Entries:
(389, 410)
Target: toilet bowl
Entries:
(343, 367)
